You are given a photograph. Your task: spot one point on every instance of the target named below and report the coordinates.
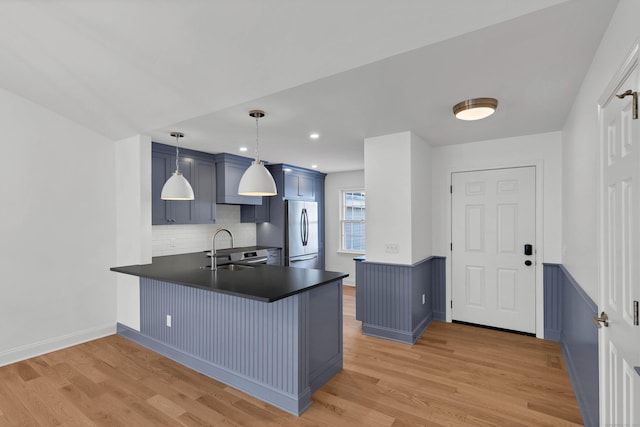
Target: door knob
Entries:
(527, 263)
(604, 319)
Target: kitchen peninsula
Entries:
(273, 332)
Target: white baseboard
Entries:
(28, 351)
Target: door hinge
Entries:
(451, 246)
(451, 303)
(635, 313)
(451, 189)
(634, 107)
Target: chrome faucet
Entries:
(214, 257)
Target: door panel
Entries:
(619, 263)
(493, 217)
(475, 294)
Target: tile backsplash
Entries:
(180, 239)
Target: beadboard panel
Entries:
(325, 326)
(439, 287)
(553, 286)
(420, 299)
(225, 330)
(568, 313)
(389, 298)
(359, 284)
(279, 352)
(579, 341)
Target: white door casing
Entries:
(493, 218)
(619, 265)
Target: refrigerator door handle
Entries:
(306, 227)
(302, 227)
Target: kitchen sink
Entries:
(231, 267)
(234, 267)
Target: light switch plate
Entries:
(392, 248)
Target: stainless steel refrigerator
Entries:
(301, 234)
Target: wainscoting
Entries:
(279, 352)
(389, 298)
(568, 311)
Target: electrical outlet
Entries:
(172, 243)
(392, 248)
(168, 320)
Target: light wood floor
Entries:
(454, 375)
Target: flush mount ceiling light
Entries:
(256, 180)
(314, 135)
(177, 187)
(475, 109)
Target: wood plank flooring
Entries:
(454, 375)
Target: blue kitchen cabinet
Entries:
(199, 169)
(205, 190)
(229, 170)
(275, 256)
(256, 213)
(298, 185)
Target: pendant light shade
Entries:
(177, 187)
(256, 180)
(475, 109)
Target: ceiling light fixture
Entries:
(475, 109)
(177, 187)
(243, 149)
(256, 180)
(314, 166)
(314, 135)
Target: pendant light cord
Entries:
(257, 140)
(177, 154)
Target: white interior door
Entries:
(493, 271)
(620, 263)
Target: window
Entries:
(352, 238)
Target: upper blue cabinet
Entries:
(199, 169)
(298, 185)
(229, 170)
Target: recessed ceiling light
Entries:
(314, 166)
(475, 109)
(314, 135)
(243, 148)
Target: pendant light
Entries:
(177, 187)
(257, 181)
(475, 109)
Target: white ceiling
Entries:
(346, 69)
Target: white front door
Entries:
(620, 258)
(493, 248)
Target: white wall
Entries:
(57, 226)
(421, 195)
(133, 221)
(333, 185)
(542, 149)
(397, 178)
(580, 149)
(387, 177)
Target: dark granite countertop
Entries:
(265, 283)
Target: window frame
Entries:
(341, 231)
